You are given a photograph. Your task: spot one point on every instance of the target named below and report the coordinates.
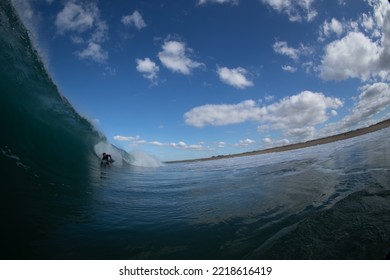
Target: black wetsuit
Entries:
(107, 157)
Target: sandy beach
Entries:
(325, 140)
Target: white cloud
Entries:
(201, 2)
(245, 143)
(380, 10)
(289, 68)
(296, 116)
(354, 56)
(301, 133)
(268, 98)
(296, 10)
(367, 22)
(126, 138)
(332, 27)
(269, 142)
(385, 55)
(135, 19)
(75, 17)
(181, 145)
(148, 68)
(234, 77)
(373, 99)
(100, 32)
(83, 23)
(221, 144)
(94, 52)
(157, 143)
(174, 56)
(283, 49)
(218, 115)
(132, 140)
(362, 54)
(302, 110)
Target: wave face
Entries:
(41, 131)
(46, 146)
(49, 154)
(58, 202)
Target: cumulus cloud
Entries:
(75, 17)
(332, 27)
(367, 22)
(304, 109)
(174, 56)
(283, 49)
(94, 52)
(234, 77)
(100, 32)
(296, 116)
(135, 19)
(225, 114)
(354, 56)
(296, 10)
(83, 24)
(364, 52)
(148, 68)
(374, 98)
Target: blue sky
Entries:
(197, 78)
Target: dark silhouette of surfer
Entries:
(107, 159)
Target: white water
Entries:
(135, 158)
(142, 159)
(104, 147)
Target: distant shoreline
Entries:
(321, 141)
